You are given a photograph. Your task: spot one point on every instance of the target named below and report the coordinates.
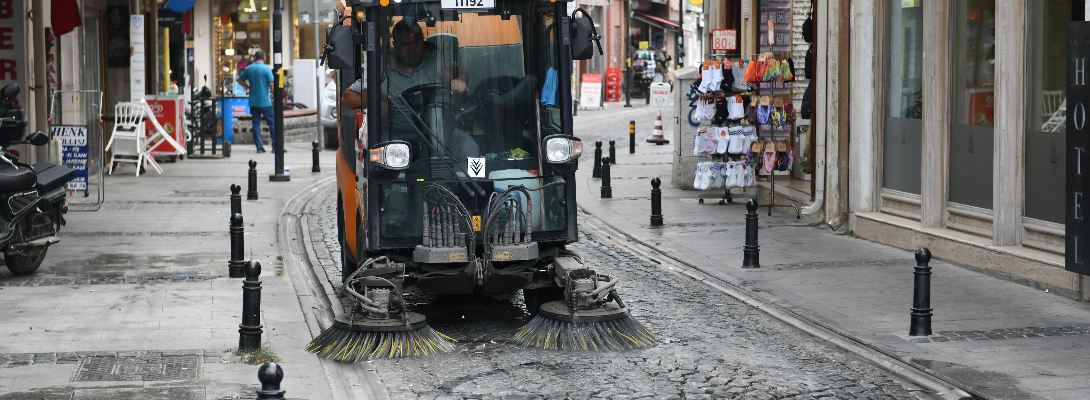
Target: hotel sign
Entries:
(1077, 220)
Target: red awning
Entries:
(653, 20)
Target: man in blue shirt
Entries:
(258, 79)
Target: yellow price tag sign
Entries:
(281, 78)
(644, 45)
(477, 223)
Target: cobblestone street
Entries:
(710, 346)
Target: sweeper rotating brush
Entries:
(558, 327)
(591, 317)
(351, 340)
(379, 326)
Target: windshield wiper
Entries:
(403, 105)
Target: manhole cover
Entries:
(138, 369)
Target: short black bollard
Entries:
(751, 252)
(314, 154)
(270, 374)
(236, 199)
(656, 202)
(249, 332)
(921, 295)
(236, 267)
(631, 137)
(597, 171)
(607, 191)
(251, 192)
(612, 151)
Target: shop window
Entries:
(972, 100)
(902, 144)
(1046, 94)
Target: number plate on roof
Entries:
(462, 4)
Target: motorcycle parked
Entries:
(32, 197)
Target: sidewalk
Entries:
(993, 337)
(145, 277)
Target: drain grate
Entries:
(138, 369)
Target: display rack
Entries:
(727, 195)
(772, 176)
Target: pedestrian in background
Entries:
(258, 79)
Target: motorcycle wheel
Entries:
(29, 261)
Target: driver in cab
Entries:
(413, 65)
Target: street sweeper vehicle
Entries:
(459, 178)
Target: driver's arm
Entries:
(355, 97)
(458, 78)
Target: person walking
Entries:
(258, 79)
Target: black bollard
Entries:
(632, 137)
(607, 191)
(314, 155)
(921, 295)
(236, 267)
(249, 332)
(656, 202)
(251, 192)
(612, 152)
(751, 252)
(236, 199)
(597, 171)
(270, 374)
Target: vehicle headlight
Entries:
(392, 155)
(562, 149)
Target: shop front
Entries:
(969, 139)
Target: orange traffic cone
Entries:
(656, 135)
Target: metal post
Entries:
(319, 77)
(632, 137)
(236, 199)
(656, 202)
(607, 191)
(314, 156)
(237, 265)
(270, 374)
(278, 94)
(613, 151)
(751, 252)
(597, 171)
(249, 332)
(627, 55)
(921, 295)
(251, 191)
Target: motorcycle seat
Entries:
(12, 179)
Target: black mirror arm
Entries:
(593, 32)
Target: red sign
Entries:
(771, 32)
(168, 112)
(724, 39)
(981, 107)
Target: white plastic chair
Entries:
(1050, 101)
(127, 140)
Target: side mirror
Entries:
(582, 33)
(38, 139)
(339, 47)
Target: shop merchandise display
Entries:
(776, 111)
(724, 174)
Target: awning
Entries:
(662, 23)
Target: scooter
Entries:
(32, 197)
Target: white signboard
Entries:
(771, 32)
(590, 94)
(13, 47)
(457, 4)
(660, 95)
(475, 167)
(136, 62)
(724, 39)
